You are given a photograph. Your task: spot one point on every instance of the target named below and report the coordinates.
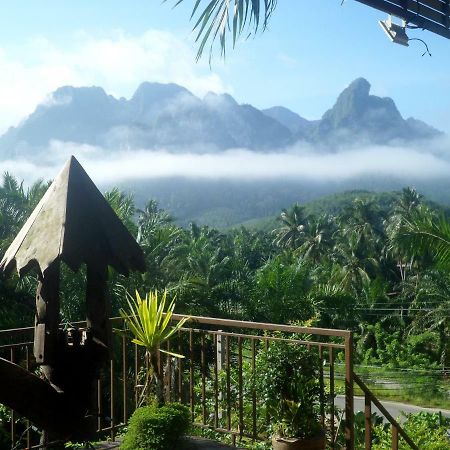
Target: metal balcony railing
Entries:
(215, 379)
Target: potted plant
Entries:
(288, 384)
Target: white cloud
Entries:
(107, 166)
(118, 63)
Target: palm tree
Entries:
(200, 262)
(430, 308)
(16, 204)
(361, 222)
(409, 201)
(152, 217)
(353, 268)
(290, 235)
(251, 248)
(317, 238)
(407, 205)
(426, 233)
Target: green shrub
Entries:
(156, 428)
(288, 382)
(428, 432)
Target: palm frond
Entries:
(220, 17)
(425, 233)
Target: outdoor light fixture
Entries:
(395, 32)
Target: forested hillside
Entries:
(349, 262)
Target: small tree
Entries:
(149, 323)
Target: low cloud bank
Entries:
(107, 167)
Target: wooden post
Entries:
(332, 409)
(99, 327)
(98, 304)
(47, 317)
(394, 437)
(349, 400)
(368, 421)
(220, 358)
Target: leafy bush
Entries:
(397, 349)
(5, 438)
(156, 428)
(288, 382)
(427, 431)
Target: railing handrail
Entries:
(384, 411)
(264, 326)
(222, 322)
(236, 329)
(15, 331)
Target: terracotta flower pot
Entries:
(314, 443)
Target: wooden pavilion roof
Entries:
(74, 223)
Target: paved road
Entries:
(394, 408)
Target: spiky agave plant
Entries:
(149, 323)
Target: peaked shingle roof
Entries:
(74, 223)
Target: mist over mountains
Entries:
(215, 161)
(168, 116)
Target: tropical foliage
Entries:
(157, 428)
(428, 432)
(288, 381)
(375, 264)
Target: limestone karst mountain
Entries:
(360, 117)
(171, 117)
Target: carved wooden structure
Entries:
(73, 224)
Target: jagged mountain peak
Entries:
(355, 103)
(149, 92)
(81, 94)
(359, 116)
(359, 87)
(214, 100)
(169, 116)
(79, 90)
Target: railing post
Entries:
(240, 389)
(124, 380)
(191, 373)
(331, 400)
(322, 388)
(394, 437)
(349, 407)
(203, 370)
(368, 421)
(220, 358)
(112, 401)
(13, 414)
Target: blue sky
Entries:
(311, 51)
